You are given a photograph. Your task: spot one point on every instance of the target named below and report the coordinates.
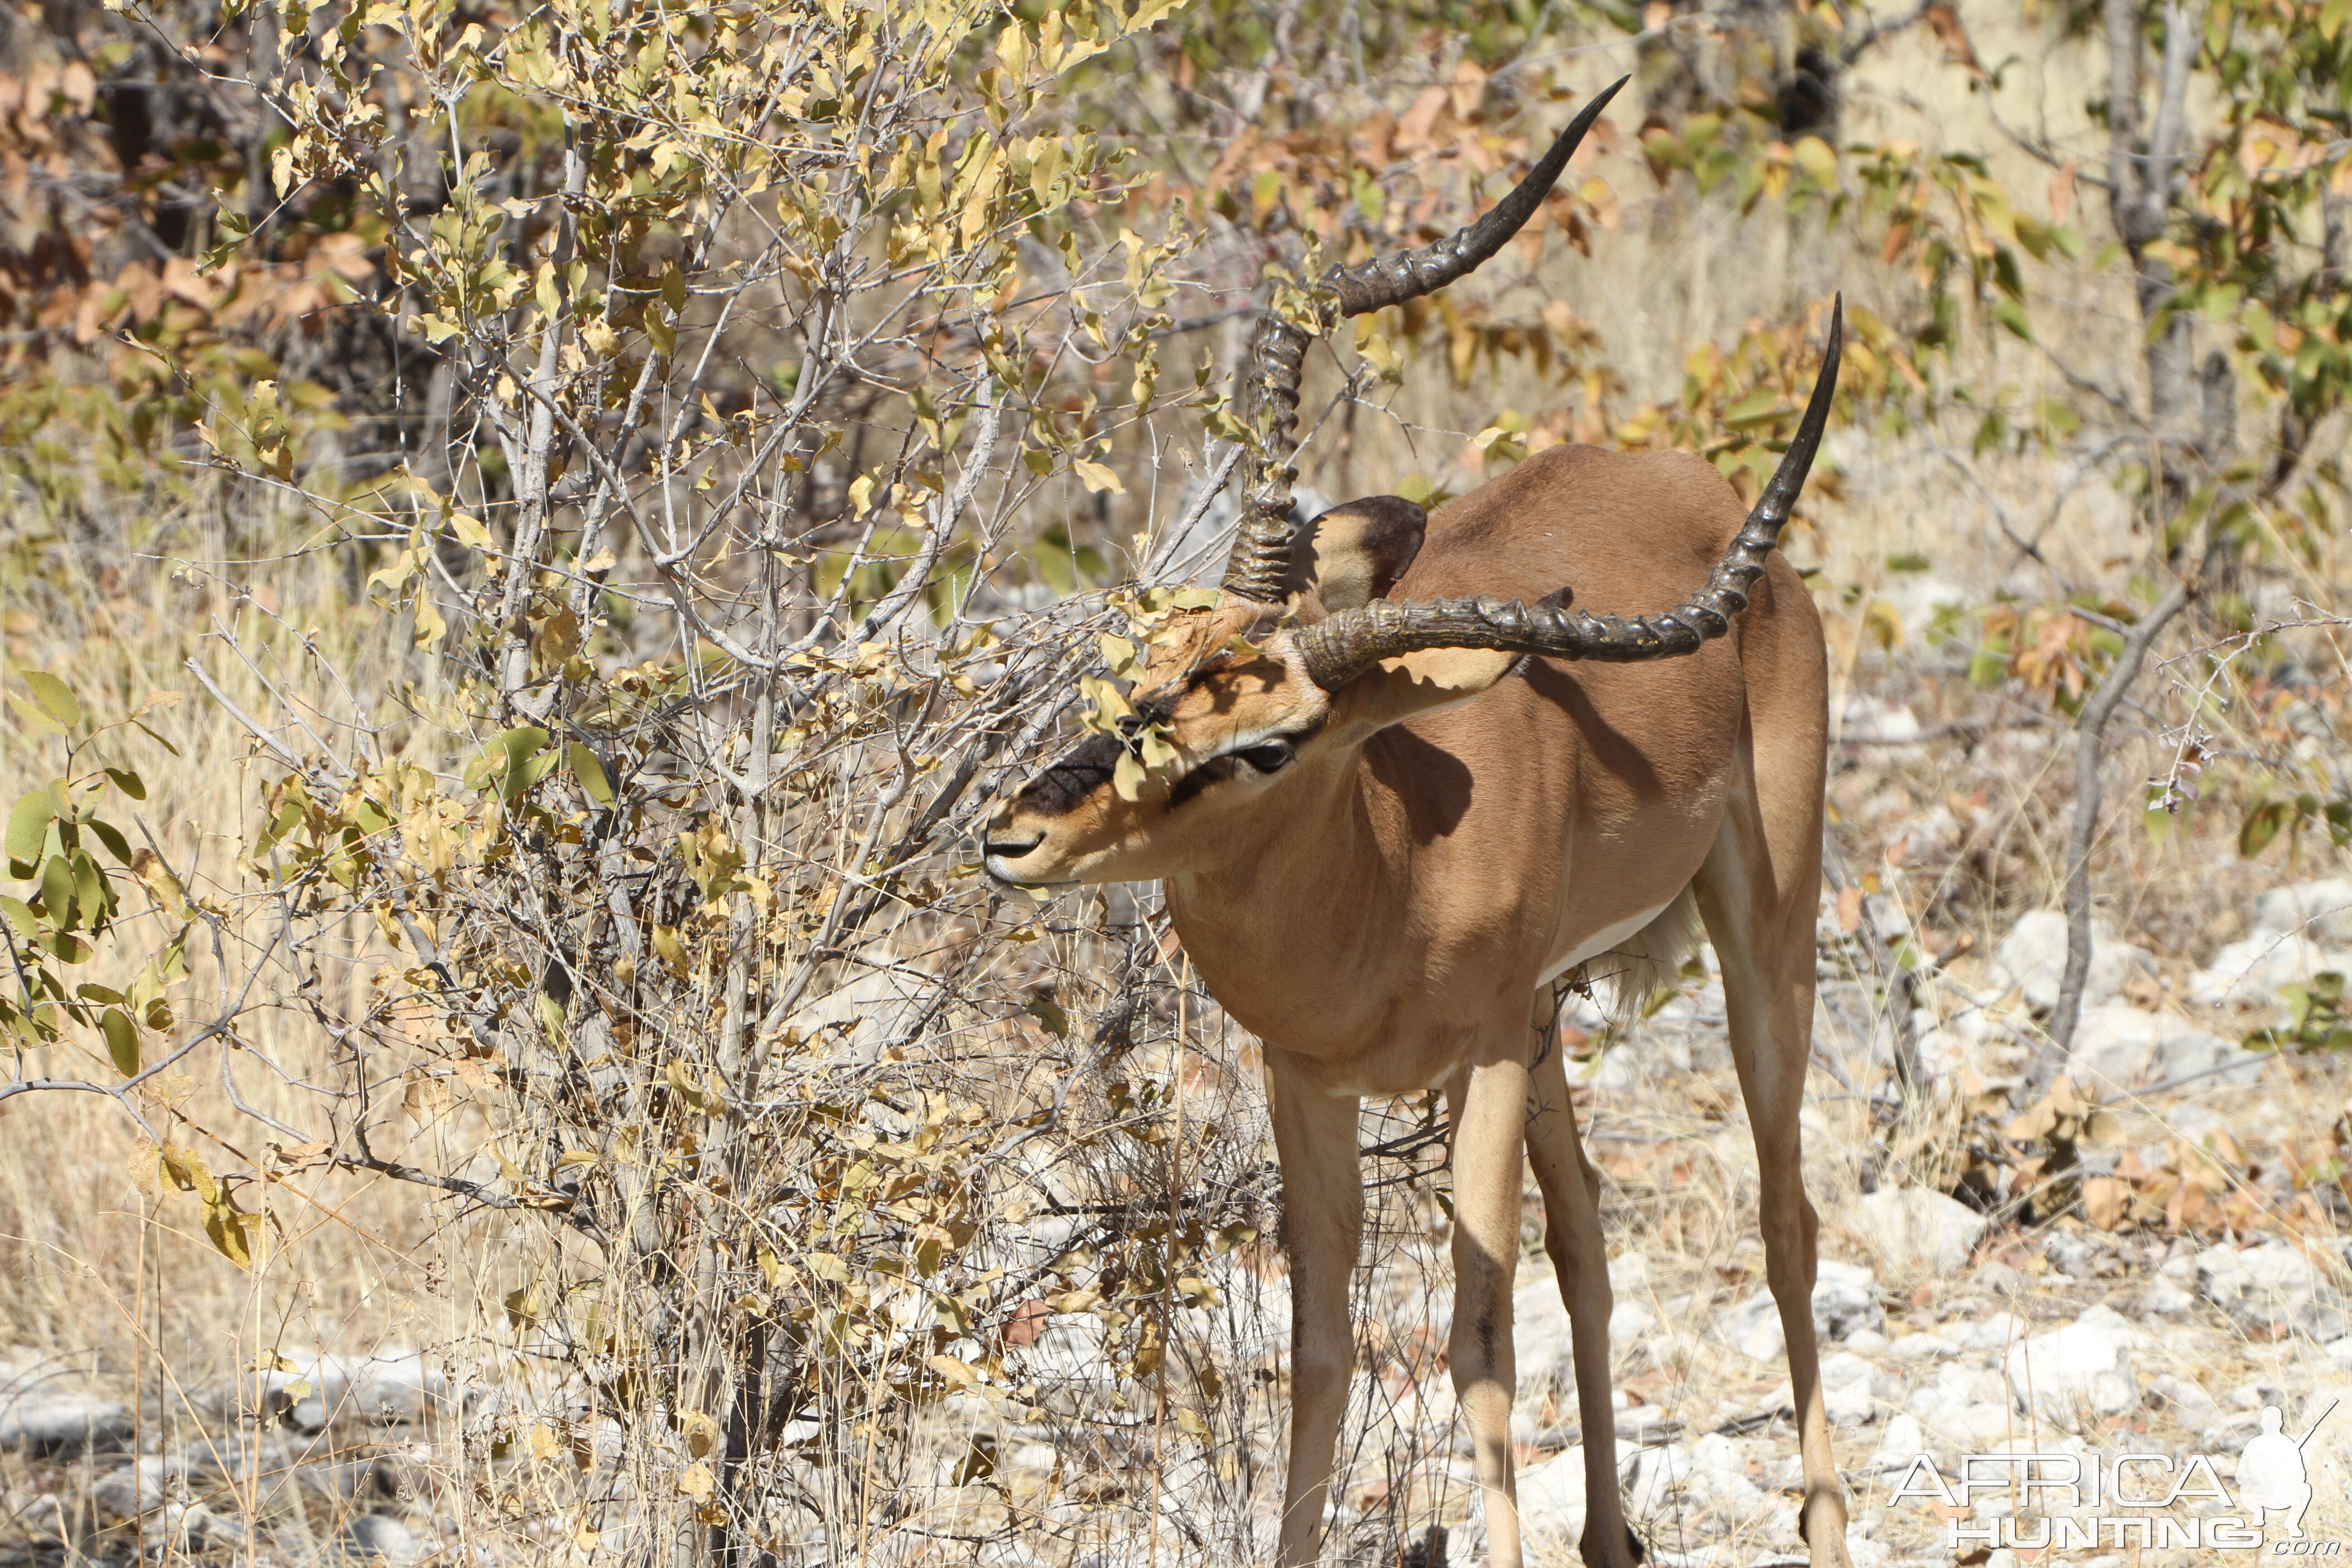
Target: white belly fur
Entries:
(1600, 942)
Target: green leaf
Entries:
(2010, 314)
(122, 1041)
(2331, 18)
(58, 891)
(505, 754)
(89, 890)
(33, 716)
(128, 783)
(2261, 825)
(19, 914)
(28, 826)
(55, 697)
(111, 836)
(154, 737)
(593, 783)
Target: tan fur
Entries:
(1380, 911)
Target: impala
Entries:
(1413, 789)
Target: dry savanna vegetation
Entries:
(530, 537)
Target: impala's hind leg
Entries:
(1322, 1233)
(1488, 1108)
(1571, 1194)
(1758, 893)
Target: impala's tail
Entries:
(1646, 962)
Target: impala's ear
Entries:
(1355, 552)
(1397, 689)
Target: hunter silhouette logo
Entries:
(2074, 1501)
(2272, 1477)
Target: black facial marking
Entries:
(1082, 769)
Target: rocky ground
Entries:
(2194, 1275)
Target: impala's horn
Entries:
(1261, 557)
(1343, 646)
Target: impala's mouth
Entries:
(1001, 855)
(1011, 848)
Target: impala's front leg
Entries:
(1323, 1232)
(1489, 1107)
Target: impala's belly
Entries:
(1600, 942)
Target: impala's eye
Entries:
(1270, 758)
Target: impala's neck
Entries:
(1297, 933)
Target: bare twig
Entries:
(2090, 734)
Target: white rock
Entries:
(2253, 970)
(1927, 1346)
(2162, 1298)
(2189, 1404)
(1845, 1298)
(1904, 1441)
(1651, 1474)
(1551, 1497)
(1996, 1331)
(1970, 1429)
(2269, 1288)
(143, 1486)
(1913, 1228)
(2087, 1364)
(2321, 910)
(378, 1538)
(1542, 1353)
(2118, 1048)
(1629, 1320)
(1716, 1456)
(1956, 1386)
(60, 1425)
(2035, 955)
(1850, 1389)
(1845, 1301)
(1883, 720)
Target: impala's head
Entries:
(1303, 656)
(1239, 702)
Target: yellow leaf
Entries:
(1817, 159)
(1094, 477)
(700, 1432)
(697, 1481)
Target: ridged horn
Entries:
(1336, 651)
(1261, 558)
